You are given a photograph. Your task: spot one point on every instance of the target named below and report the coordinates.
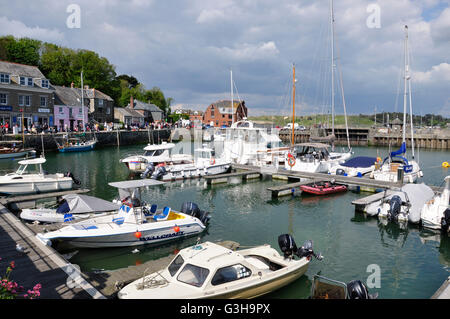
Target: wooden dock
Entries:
(39, 263)
(223, 178)
(32, 197)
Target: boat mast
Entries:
(332, 66)
(410, 98)
(293, 104)
(82, 101)
(405, 79)
(232, 102)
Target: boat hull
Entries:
(77, 148)
(31, 187)
(190, 171)
(16, 154)
(323, 190)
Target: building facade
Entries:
(221, 113)
(26, 96)
(151, 112)
(128, 117)
(67, 110)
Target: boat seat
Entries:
(119, 220)
(164, 215)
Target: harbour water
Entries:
(413, 262)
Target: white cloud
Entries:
(248, 51)
(437, 74)
(19, 30)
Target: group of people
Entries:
(35, 128)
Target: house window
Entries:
(24, 100)
(61, 110)
(43, 101)
(100, 103)
(30, 81)
(108, 110)
(45, 84)
(22, 80)
(70, 112)
(80, 110)
(4, 78)
(3, 98)
(212, 113)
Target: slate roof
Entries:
(72, 96)
(125, 111)
(17, 69)
(139, 105)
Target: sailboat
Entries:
(396, 164)
(318, 156)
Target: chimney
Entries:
(93, 92)
(86, 87)
(71, 85)
(131, 102)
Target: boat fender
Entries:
(395, 204)
(445, 221)
(357, 290)
(212, 161)
(291, 160)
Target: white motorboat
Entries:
(436, 212)
(356, 166)
(208, 270)
(246, 144)
(396, 164)
(403, 205)
(71, 207)
(154, 154)
(205, 163)
(313, 157)
(31, 178)
(135, 223)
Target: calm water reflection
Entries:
(413, 262)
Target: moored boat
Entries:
(31, 178)
(435, 213)
(135, 223)
(14, 149)
(324, 188)
(208, 270)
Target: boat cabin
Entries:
(158, 150)
(31, 166)
(209, 265)
(308, 152)
(204, 155)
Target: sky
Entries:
(188, 48)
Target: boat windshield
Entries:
(28, 169)
(193, 275)
(175, 265)
(204, 154)
(153, 153)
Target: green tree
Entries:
(24, 50)
(156, 96)
(4, 43)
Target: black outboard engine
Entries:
(76, 181)
(445, 221)
(159, 172)
(289, 248)
(148, 170)
(395, 203)
(357, 290)
(190, 208)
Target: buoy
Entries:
(137, 234)
(176, 229)
(445, 164)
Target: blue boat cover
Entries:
(360, 161)
(401, 150)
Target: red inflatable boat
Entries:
(323, 189)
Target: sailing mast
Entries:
(82, 101)
(332, 66)
(232, 102)
(408, 75)
(293, 105)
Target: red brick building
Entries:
(220, 113)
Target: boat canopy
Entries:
(78, 204)
(360, 161)
(135, 183)
(39, 160)
(401, 150)
(163, 146)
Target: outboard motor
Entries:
(395, 204)
(289, 248)
(159, 172)
(76, 181)
(190, 208)
(287, 245)
(357, 290)
(148, 170)
(445, 221)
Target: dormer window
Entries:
(45, 83)
(26, 81)
(4, 78)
